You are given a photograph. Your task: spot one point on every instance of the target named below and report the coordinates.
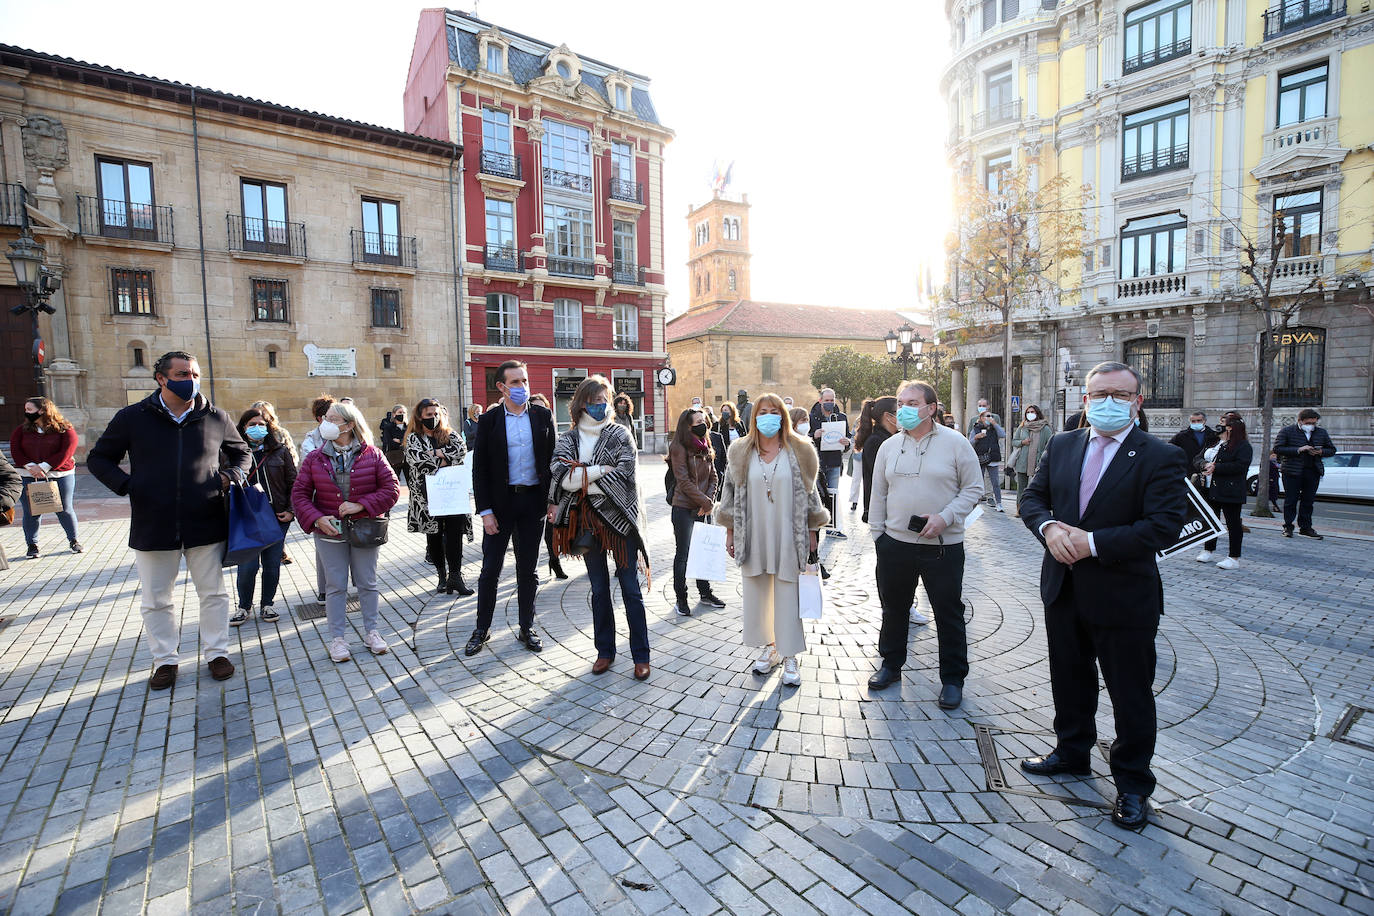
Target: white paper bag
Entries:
(811, 601)
(832, 431)
(706, 556)
(448, 491)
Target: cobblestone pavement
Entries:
(422, 780)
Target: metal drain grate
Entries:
(1355, 728)
(314, 610)
(992, 766)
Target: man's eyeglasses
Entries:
(1121, 397)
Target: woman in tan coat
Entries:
(772, 512)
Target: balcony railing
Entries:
(249, 233)
(383, 248)
(12, 205)
(1159, 160)
(502, 257)
(504, 165)
(633, 191)
(1307, 135)
(1175, 48)
(631, 274)
(1157, 285)
(118, 219)
(499, 338)
(1001, 113)
(557, 178)
(1301, 268)
(571, 267)
(567, 342)
(1291, 15)
(626, 343)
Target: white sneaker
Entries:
(1229, 563)
(338, 649)
(768, 660)
(373, 640)
(918, 618)
(1205, 556)
(791, 674)
(1000, 509)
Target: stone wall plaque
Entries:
(335, 361)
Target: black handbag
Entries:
(365, 531)
(584, 543)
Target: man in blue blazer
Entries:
(1103, 500)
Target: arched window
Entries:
(1159, 361)
(1299, 370)
(732, 281)
(698, 284)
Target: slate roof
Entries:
(524, 67)
(783, 319)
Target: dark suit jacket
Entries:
(491, 464)
(1186, 439)
(1138, 507)
(1290, 439)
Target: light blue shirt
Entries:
(520, 449)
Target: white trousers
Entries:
(772, 614)
(856, 485)
(157, 575)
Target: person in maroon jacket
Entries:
(44, 448)
(346, 477)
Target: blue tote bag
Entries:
(253, 525)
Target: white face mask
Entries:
(329, 431)
(804, 428)
(1032, 416)
(1308, 427)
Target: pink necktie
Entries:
(1092, 470)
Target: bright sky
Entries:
(831, 111)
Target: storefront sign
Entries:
(566, 386)
(632, 385)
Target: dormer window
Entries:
(622, 98)
(564, 70)
(496, 59)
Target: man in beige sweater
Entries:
(925, 481)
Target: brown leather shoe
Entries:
(165, 676)
(221, 669)
(601, 666)
(641, 671)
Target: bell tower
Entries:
(718, 261)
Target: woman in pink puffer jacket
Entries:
(346, 477)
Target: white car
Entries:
(1349, 475)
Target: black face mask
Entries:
(699, 430)
(431, 422)
(31, 417)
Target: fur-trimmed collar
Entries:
(808, 460)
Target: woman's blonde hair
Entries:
(352, 414)
(585, 392)
(787, 434)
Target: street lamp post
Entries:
(38, 283)
(904, 345)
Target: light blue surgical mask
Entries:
(597, 412)
(1108, 415)
(256, 433)
(769, 424)
(519, 394)
(1197, 427)
(909, 417)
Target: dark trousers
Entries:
(1126, 655)
(683, 519)
(1235, 531)
(941, 568)
(1299, 492)
(524, 526)
(446, 547)
(270, 563)
(603, 611)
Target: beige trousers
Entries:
(772, 614)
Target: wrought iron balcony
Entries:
(383, 248)
(502, 257)
(499, 338)
(12, 205)
(1160, 160)
(1291, 15)
(631, 274)
(626, 343)
(567, 342)
(118, 219)
(571, 267)
(570, 181)
(271, 236)
(504, 165)
(633, 191)
(1158, 55)
(1002, 113)
(1156, 285)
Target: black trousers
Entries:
(446, 546)
(683, 519)
(901, 566)
(1299, 493)
(1235, 532)
(524, 526)
(1126, 655)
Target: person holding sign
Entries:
(692, 461)
(430, 445)
(830, 432)
(1103, 501)
(772, 515)
(44, 447)
(1226, 471)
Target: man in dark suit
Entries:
(1196, 438)
(1301, 448)
(1104, 499)
(510, 482)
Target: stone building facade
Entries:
(292, 252)
(1198, 126)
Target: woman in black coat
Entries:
(1228, 470)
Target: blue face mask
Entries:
(1109, 416)
(597, 412)
(185, 388)
(256, 433)
(519, 395)
(769, 424)
(908, 417)
(1197, 427)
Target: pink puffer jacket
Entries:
(371, 484)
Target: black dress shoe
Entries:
(531, 640)
(710, 600)
(1130, 811)
(883, 677)
(1310, 533)
(951, 695)
(476, 642)
(1053, 765)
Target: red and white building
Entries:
(560, 212)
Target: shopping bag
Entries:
(447, 491)
(706, 555)
(253, 525)
(44, 497)
(810, 600)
